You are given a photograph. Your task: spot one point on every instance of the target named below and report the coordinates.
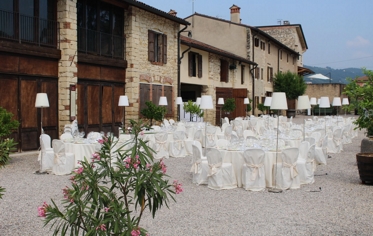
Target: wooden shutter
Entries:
(223, 71)
(199, 66)
(164, 41)
(151, 36)
(168, 93)
(242, 74)
(144, 95)
(190, 64)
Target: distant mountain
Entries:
(337, 75)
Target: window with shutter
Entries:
(269, 48)
(261, 73)
(157, 48)
(256, 42)
(194, 65)
(257, 73)
(242, 74)
(199, 66)
(223, 71)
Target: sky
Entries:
(339, 33)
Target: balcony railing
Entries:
(99, 43)
(28, 29)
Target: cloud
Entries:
(358, 42)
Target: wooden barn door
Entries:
(239, 95)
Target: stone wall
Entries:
(325, 90)
(67, 66)
(140, 70)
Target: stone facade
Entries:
(325, 90)
(67, 66)
(140, 69)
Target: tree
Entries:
(153, 112)
(229, 105)
(193, 109)
(290, 83)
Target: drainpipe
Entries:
(253, 76)
(178, 69)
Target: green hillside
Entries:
(337, 75)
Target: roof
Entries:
(298, 26)
(156, 11)
(303, 71)
(258, 31)
(362, 79)
(206, 47)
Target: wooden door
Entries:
(239, 95)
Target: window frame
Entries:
(224, 71)
(157, 47)
(269, 74)
(194, 64)
(242, 74)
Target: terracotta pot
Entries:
(365, 166)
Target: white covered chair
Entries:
(176, 148)
(74, 128)
(67, 137)
(321, 153)
(198, 136)
(200, 167)
(306, 165)
(221, 175)
(317, 137)
(171, 121)
(228, 133)
(346, 134)
(93, 137)
(238, 127)
(222, 144)
(253, 174)
(64, 162)
(46, 154)
(335, 144)
(160, 145)
(311, 140)
(210, 136)
(248, 133)
(286, 172)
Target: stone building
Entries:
(207, 70)
(269, 53)
(84, 54)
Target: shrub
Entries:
(153, 112)
(109, 197)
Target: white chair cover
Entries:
(160, 145)
(228, 133)
(221, 175)
(74, 128)
(224, 126)
(286, 172)
(335, 144)
(46, 153)
(171, 121)
(311, 140)
(346, 134)
(253, 174)
(305, 164)
(248, 133)
(93, 137)
(238, 127)
(63, 162)
(67, 137)
(177, 146)
(198, 136)
(321, 153)
(200, 167)
(222, 144)
(210, 136)
(317, 137)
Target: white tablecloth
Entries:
(80, 151)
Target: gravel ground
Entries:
(342, 207)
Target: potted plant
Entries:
(153, 112)
(193, 109)
(293, 85)
(229, 105)
(361, 99)
(261, 107)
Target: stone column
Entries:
(67, 66)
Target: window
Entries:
(224, 71)
(280, 54)
(100, 28)
(242, 74)
(157, 47)
(269, 74)
(256, 73)
(287, 57)
(195, 64)
(256, 98)
(269, 48)
(153, 96)
(256, 42)
(262, 45)
(261, 73)
(29, 21)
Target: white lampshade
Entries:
(246, 101)
(279, 101)
(337, 102)
(268, 101)
(303, 102)
(345, 101)
(179, 100)
(41, 100)
(198, 102)
(324, 102)
(206, 102)
(313, 101)
(221, 101)
(123, 101)
(163, 101)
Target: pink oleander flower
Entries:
(96, 156)
(106, 209)
(42, 210)
(163, 166)
(142, 133)
(148, 166)
(101, 227)
(101, 141)
(135, 232)
(79, 170)
(178, 187)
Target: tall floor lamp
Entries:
(312, 103)
(324, 103)
(123, 102)
(267, 102)
(345, 103)
(303, 103)
(318, 103)
(179, 101)
(278, 103)
(162, 102)
(220, 102)
(246, 101)
(206, 103)
(41, 102)
(337, 103)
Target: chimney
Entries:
(235, 14)
(172, 12)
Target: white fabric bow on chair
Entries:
(293, 169)
(214, 168)
(257, 170)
